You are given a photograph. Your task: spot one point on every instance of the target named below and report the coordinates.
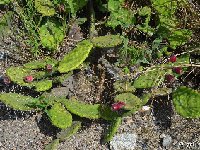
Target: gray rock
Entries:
(123, 141)
(166, 140)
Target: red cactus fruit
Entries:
(49, 67)
(117, 106)
(177, 70)
(172, 58)
(169, 78)
(28, 79)
(6, 80)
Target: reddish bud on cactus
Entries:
(28, 79)
(6, 80)
(117, 106)
(169, 78)
(177, 70)
(172, 58)
(49, 67)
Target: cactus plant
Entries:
(82, 109)
(45, 7)
(75, 57)
(113, 129)
(161, 91)
(150, 79)
(131, 101)
(37, 64)
(43, 85)
(186, 102)
(107, 41)
(53, 145)
(17, 101)
(107, 113)
(66, 133)
(59, 116)
(51, 34)
(121, 87)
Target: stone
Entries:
(124, 141)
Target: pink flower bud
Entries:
(49, 67)
(6, 80)
(28, 79)
(169, 78)
(117, 106)
(177, 70)
(172, 58)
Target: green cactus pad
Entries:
(53, 145)
(43, 85)
(113, 129)
(187, 102)
(82, 109)
(17, 101)
(45, 7)
(17, 75)
(59, 116)
(107, 41)
(40, 63)
(131, 101)
(145, 97)
(107, 113)
(62, 78)
(161, 91)
(150, 79)
(66, 133)
(51, 34)
(75, 57)
(121, 87)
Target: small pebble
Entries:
(166, 140)
(123, 141)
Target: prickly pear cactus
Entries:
(107, 113)
(75, 57)
(121, 87)
(51, 34)
(161, 91)
(40, 63)
(53, 145)
(43, 85)
(62, 78)
(66, 133)
(18, 101)
(45, 7)
(17, 74)
(82, 109)
(145, 97)
(107, 41)
(131, 101)
(59, 116)
(113, 129)
(187, 102)
(150, 79)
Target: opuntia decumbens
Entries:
(177, 70)
(169, 78)
(28, 79)
(172, 58)
(48, 68)
(6, 80)
(117, 106)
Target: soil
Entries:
(93, 84)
